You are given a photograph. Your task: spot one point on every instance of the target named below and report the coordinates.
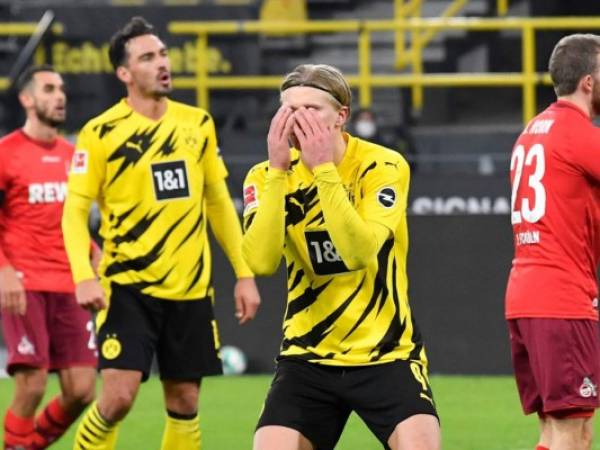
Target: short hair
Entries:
(574, 57)
(26, 77)
(320, 76)
(137, 26)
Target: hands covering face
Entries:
(307, 130)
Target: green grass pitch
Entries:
(477, 413)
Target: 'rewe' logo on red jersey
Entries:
(250, 199)
(79, 162)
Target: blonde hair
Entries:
(320, 76)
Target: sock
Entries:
(51, 424)
(541, 447)
(94, 432)
(181, 432)
(18, 431)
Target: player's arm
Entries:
(356, 238)
(264, 213)
(12, 291)
(225, 225)
(264, 221)
(85, 178)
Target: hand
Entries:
(316, 139)
(90, 295)
(247, 299)
(278, 138)
(12, 292)
(95, 257)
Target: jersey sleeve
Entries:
(384, 190)
(264, 219)
(88, 164)
(214, 167)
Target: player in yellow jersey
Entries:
(153, 165)
(335, 207)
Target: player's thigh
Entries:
(527, 385)
(187, 348)
(274, 437)
(303, 397)
(26, 336)
(72, 337)
(418, 432)
(565, 361)
(128, 330)
(388, 394)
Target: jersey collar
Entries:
(570, 105)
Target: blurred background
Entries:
(447, 83)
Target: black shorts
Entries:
(317, 400)
(183, 334)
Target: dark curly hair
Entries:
(137, 26)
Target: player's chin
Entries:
(163, 90)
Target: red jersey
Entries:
(555, 178)
(33, 177)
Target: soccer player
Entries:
(335, 207)
(552, 293)
(44, 327)
(153, 164)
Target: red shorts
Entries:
(556, 364)
(55, 333)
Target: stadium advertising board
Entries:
(80, 53)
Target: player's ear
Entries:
(586, 84)
(26, 99)
(342, 118)
(123, 74)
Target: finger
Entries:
(276, 125)
(299, 132)
(304, 120)
(252, 308)
(283, 121)
(14, 302)
(316, 121)
(289, 126)
(101, 303)
(240, 312)
(22, 304)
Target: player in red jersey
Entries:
(44, 328)
(552, 293)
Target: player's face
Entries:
(148, 68)
(328, 110)
(46, 98)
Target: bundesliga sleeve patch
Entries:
(386, 197)
(250, 199)
(79, 163)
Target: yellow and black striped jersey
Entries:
(149, 179)
(334, 315)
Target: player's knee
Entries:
(117, 404)
(182, 398)
(33, 385)
(80, 395)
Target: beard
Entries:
(47, 119)
(162, 92)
